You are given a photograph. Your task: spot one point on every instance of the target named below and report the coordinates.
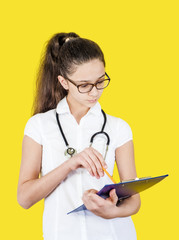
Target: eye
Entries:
(100, 81)
(84, 85)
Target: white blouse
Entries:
(83, 225)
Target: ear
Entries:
(63, 82)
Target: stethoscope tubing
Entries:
(92, 138)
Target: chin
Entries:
(91, 105)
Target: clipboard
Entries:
(125, 189)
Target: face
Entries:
(89, 72)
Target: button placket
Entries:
(79, 145)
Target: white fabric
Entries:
(83, 225)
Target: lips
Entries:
(94, 100)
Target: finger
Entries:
(88, 194)
(91, 163)
(91, 191)
(96, 161)
(86, 165)
(100, 157)
(113, 196)
(91, 195)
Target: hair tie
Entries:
(68, 38)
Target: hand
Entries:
(90, 159)
(105, 208)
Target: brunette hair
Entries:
(63, 53)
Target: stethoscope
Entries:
(71, 151)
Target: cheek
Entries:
(73, 91)
(100, 92)
(77, 95)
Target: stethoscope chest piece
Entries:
(70, 151)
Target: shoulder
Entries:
(36, 124)
(40, 118)
(121, 130)
(117, 122)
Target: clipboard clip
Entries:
(135, 179)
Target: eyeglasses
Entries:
(87, 87)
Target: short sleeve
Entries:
(33, 128)
(123, 133)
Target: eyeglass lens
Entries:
(88, 87)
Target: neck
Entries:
(76, 109)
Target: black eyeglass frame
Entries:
(92, 84)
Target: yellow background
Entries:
(140, 43)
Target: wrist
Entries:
(115, 212)
(121, 211)
(71, 164)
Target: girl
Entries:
(56, 144)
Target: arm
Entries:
(126, 168)
(32, 189)
(107, 208)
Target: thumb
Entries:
(113, 196)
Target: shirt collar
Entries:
(63, 107)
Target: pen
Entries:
(108, 175)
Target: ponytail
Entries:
(63, 52)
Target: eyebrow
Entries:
(90, 80)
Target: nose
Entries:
(94, 91)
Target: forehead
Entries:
(88, 71)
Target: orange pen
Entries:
(108, 175)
